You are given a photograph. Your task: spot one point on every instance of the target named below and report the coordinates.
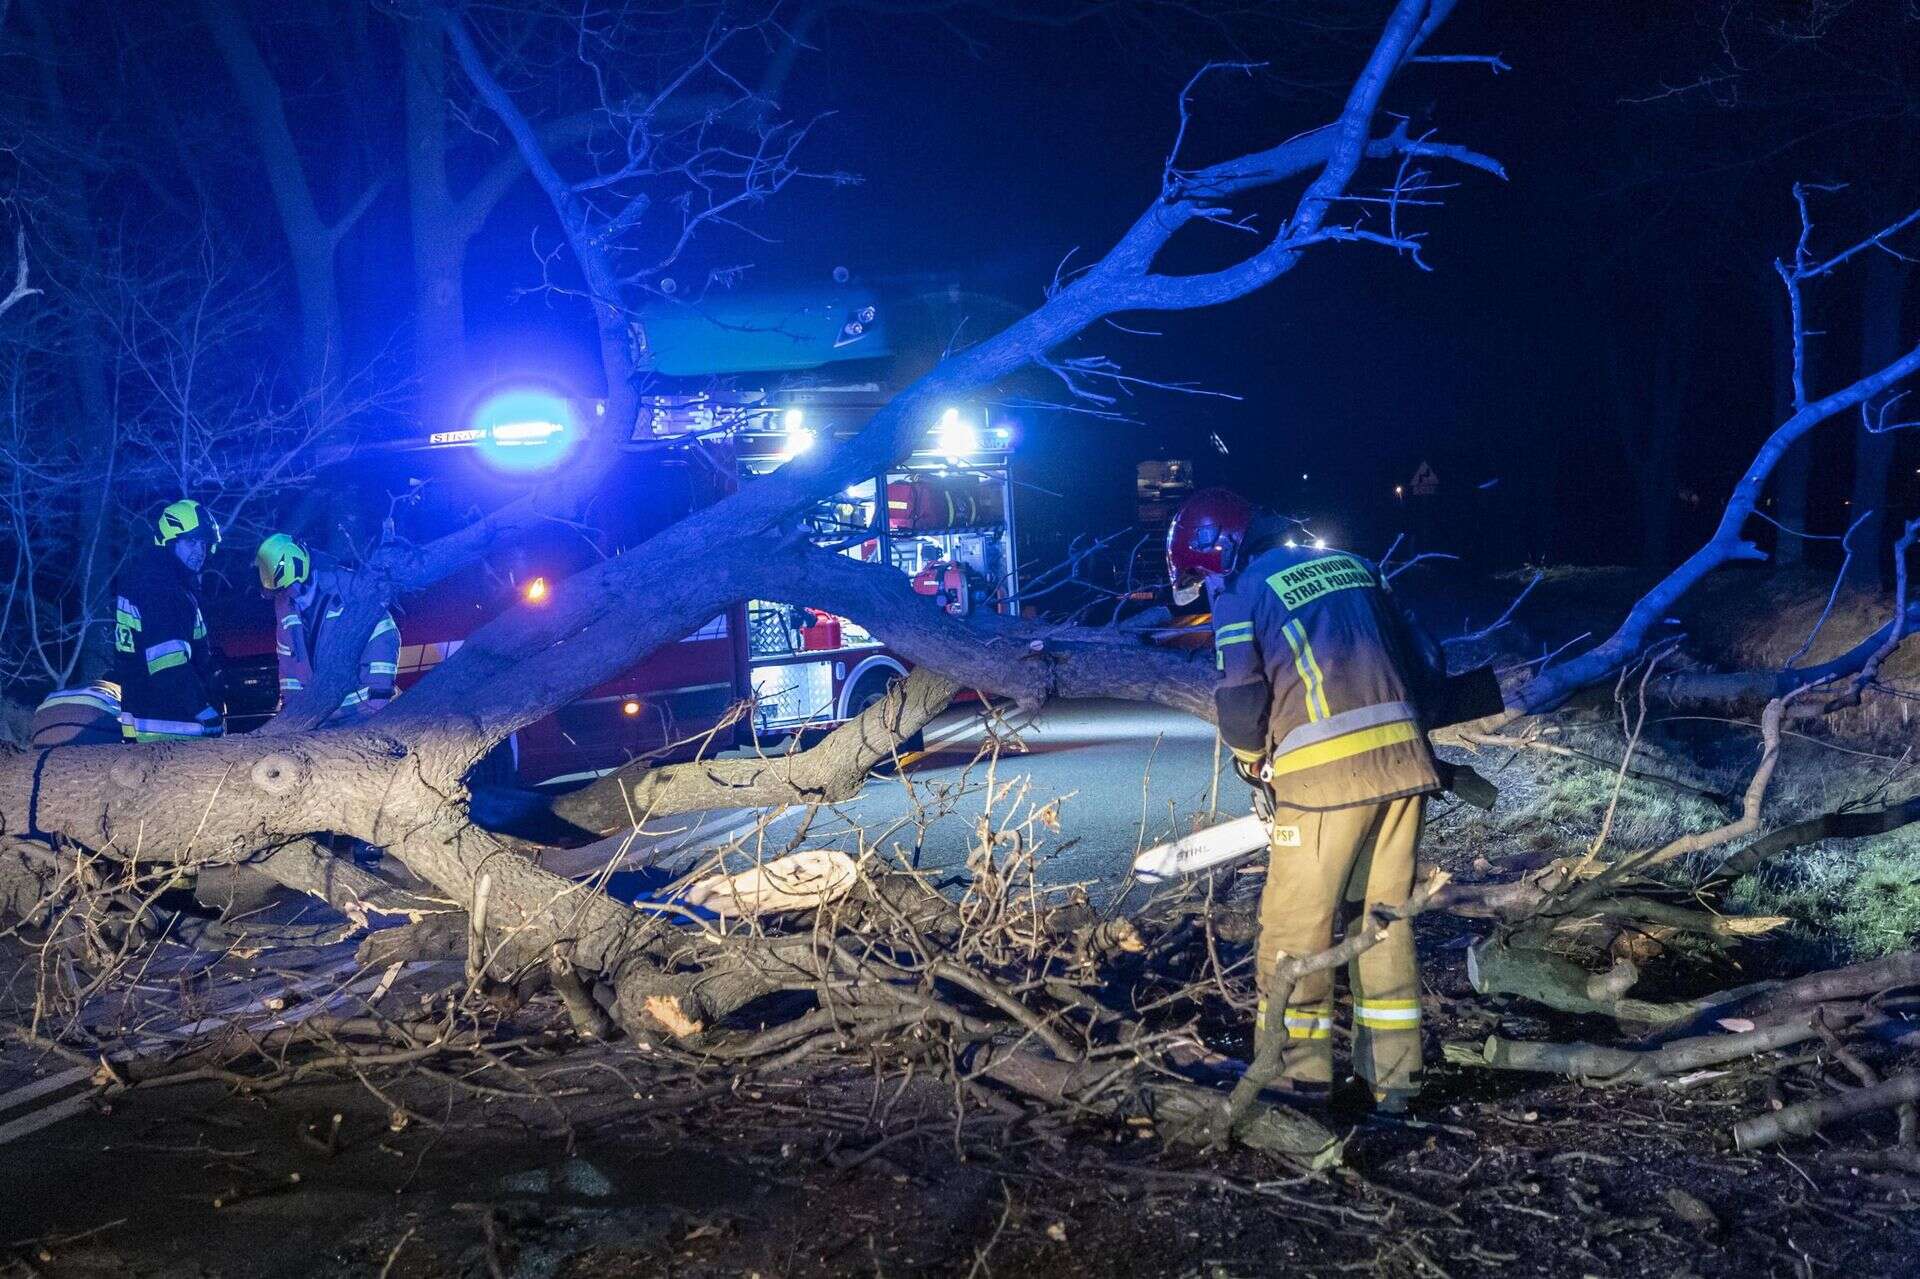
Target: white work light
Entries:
(957, 436)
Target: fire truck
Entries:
(945, 518)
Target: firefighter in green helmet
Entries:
(161, 660)
(307, 595)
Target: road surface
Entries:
(1127, 776)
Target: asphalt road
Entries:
(1125, 775)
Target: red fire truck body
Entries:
(944, 518)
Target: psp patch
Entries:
(1304, 583)
(1286, 837)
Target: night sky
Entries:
(985, 161)
(1623, 270)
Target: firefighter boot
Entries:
(1386, 979)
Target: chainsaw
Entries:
(1243, 836)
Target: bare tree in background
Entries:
(397, 781)
(678, 145)
(1775, 83)
(194, 406)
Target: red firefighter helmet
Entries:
(1204, 540)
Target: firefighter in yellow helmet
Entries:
(1322, 686)
(161, 659)
(307, 594)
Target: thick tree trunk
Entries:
(1884, 292)
(395, 781)
(439, 245)
(310, 241)
(1791, 477)
(832, 772)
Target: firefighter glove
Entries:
(1262, 792)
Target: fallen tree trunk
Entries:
(1813, 830)
(1601, 1065)
(1496, 967)
(1808, 1117)
(1856, 981)
(310, 867)
(1732, 690)
(831, 772)
(1185, 1114)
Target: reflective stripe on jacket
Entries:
(85, 715)
(161, 659)
(297, 634)
(1321, 678)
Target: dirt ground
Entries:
(588, 1164)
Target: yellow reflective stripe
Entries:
(166, 661)
(1233, 628)
(386, 625)
(80, 699)
(1300, 667)
(1319, 679)
(1345, 747)
(1387, 1014)
(383, 668)
(1386, 1018)
(291, 682)
(1220, 649)
(1308, 670)
(1245, 757)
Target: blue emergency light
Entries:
(525, 429)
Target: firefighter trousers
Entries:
(1332, 866)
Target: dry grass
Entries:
(1863, 894)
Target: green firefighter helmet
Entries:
(186, 518)
(283, 562)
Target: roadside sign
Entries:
(1425, 482)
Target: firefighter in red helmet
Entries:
(1321, 680)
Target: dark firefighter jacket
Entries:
(161, 660)
(297, 637)
(1323, 680)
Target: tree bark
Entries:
(311, 241)
(829, 773)
(1607, 1067)
(1884, 292)
(439, 245)
(1791, 477)
(1808, 1117)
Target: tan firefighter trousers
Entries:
(1338, 864)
